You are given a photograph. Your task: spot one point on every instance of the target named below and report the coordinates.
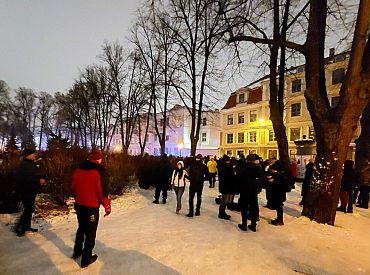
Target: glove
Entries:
(107, 211)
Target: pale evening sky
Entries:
(44, 43)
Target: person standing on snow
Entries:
(249, 176)
(279, 184)
(197, 174)
(162, 177)
(226, 185)
(30, 178)
(212, 171)
(88, 192)
(178, 182)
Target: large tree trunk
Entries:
(334, 127)
(363, 142)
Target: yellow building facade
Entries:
(246, 126)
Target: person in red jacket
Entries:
(89, 195)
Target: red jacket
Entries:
(86, 186)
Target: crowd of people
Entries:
(243, 176)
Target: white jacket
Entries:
(176, 181)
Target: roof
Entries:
(254, 96)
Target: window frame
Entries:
(295, 84)
(239, 135)
(230, 119)
(255, 115)
(227, 138)
(290, 133)
(338, 78)
(293, 111)
(241, 115)
(250, 136)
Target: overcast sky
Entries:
(44, 43)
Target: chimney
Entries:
(331, 52)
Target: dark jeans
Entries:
(24, 222)
(212, 179)
(249, 204)
(226, 198)
(279, 212)
(88, 219)
(192, 191)
(179, 191)
(158, 189)
(364, 196)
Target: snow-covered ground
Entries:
(142, 238)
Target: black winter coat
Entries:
(249, 177)
(226, 178)
(164, 172)
(278, 187)
(28, 179)
(197, 174)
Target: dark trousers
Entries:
(249, 204)
(158, 189)
(212, 179)
(88, 219)
(364, 196)
(192, 191)
(24, 222)
(279, 212)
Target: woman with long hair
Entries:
(178, 182)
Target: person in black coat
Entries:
(249, 176)
(226, 185)
(347, 186)
(162, 179)
(306, 180)
(29, 179)
(279, 182)
(197, 175)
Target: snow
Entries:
(142, 238)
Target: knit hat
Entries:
(225, 158)
(28, 151)
(95, 154)
(252, 157)
(199, 156)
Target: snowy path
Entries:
(142, 238)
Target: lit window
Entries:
(240, 137)
(253, 116)
(295, 133)
(229, 152)
(272, 154)
(296, 85)
(311, 133)
(230, 120)
(337, 76)
(253, 136)
(272, 136)
(241, 118)
(296, 109)
(230, 138)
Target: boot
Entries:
(242, 227)
(341, 209)
(164, 201)
(156, 201)
(32, 229)
(197, 213)
(88, 261)
(277, 222)
(190, 215)
(252, 227)
(177, 210)
(76, 254)
(224, 216)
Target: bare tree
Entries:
(334, 127)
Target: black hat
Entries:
(225, 158)
(28, 151)
(253, 157)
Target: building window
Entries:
(272, 154)
(230, 120)
(311, 133)
(155, 137)
(295, 133)
(229, 152)
(204, 121)
(167, 138)
(335, 101)
(296, 85)
(240, 137)
(241, 98)
(272, 136)
(337, 76)
(296, 109)
(241, 118)
(230, 138)
(204, 137)
(253, 136)
(253, 116)
(252, 151)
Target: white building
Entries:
(178, 126)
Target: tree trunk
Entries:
(363, 142)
